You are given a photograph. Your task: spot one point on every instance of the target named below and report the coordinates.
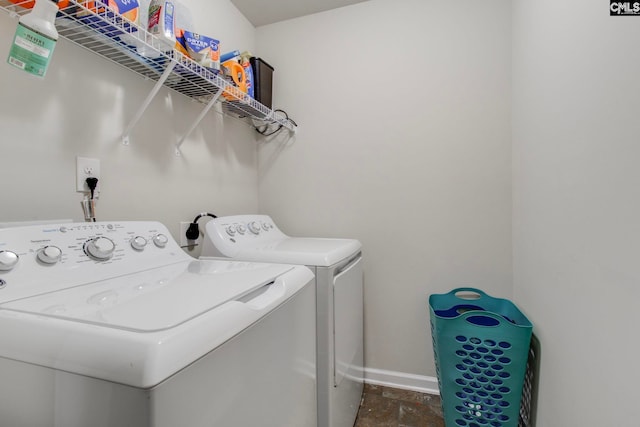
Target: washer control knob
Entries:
(230, 230)
(49, 254)
(241, 229)
(265, 226)
(8, 260)
(254, 227)
(138, 243)
(100, 248)
(160, 240)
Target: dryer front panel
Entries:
(348, 322)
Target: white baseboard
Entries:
(401, 380)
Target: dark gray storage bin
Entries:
(262, 80)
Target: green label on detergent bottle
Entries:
(31, 51)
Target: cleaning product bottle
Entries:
(248, 71)
(35, 39)
(162, 23)
(234, 73)
(234, 54)
(143, 41)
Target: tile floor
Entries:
(391, 407)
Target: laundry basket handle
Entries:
(474, 293)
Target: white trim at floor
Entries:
(401, 380)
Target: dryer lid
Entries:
(153, 300)
(321, 252)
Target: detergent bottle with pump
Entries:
(35, 39)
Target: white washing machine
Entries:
(113, 325)
(337, 264)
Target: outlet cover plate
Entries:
(87, 168)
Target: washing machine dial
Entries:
(160, 240)
(254, 227)
(230, 231)
(100, 248)
(241, 229)
(49, 254)
(138, 243)
(8, 260)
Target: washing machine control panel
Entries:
(232, 233)
(251, 225)
(43, 258)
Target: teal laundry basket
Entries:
(481, 346)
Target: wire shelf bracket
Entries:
(147, 102)
(197, 122)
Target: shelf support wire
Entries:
(147, 101)
(198, 120)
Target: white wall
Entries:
(81, 109)
(576, 205)
(404, 143)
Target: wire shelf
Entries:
(93, 26)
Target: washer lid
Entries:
(319, 252)
(153, 300)
(154, 323)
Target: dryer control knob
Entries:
(8, 260)
(254, 227)
(49, 254)
(100, 248)
(160, 240)
(138, 243)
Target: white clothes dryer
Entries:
(113, 325)
(337, 264)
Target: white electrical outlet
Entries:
(87, 168)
